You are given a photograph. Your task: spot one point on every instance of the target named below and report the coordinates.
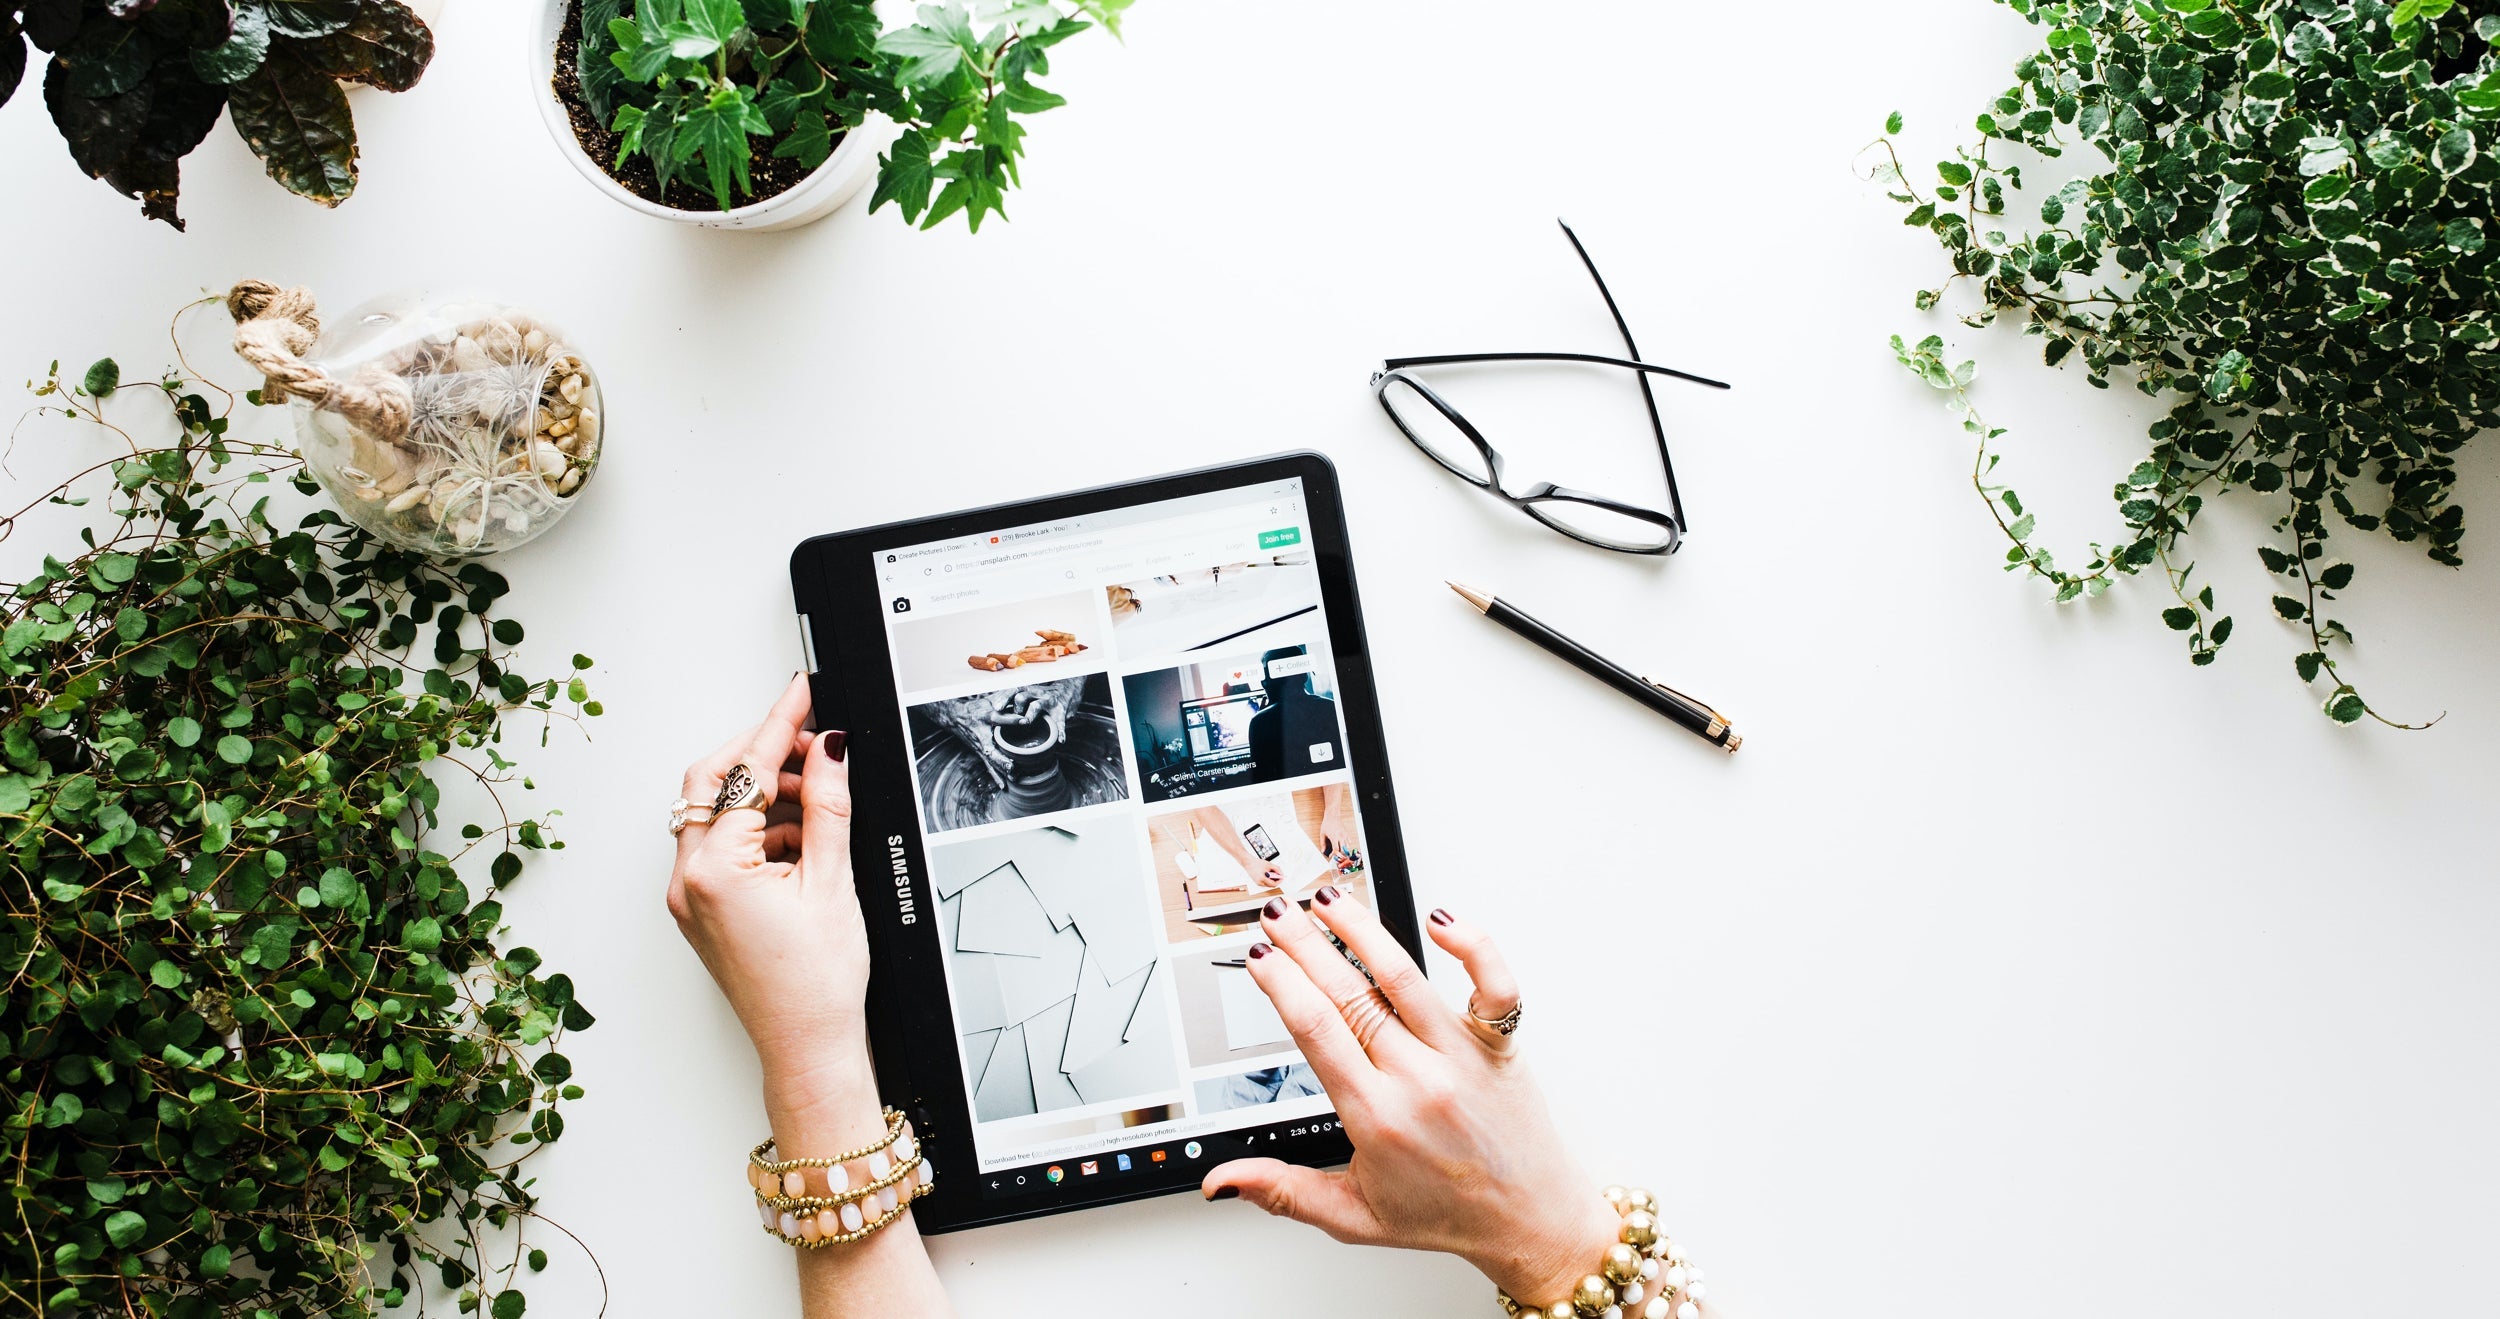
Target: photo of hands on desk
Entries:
(1215, 865)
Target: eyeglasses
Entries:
(1454, 442)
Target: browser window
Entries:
(1125, 742)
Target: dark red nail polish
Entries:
(1226, 1193)
(1327, 894)
(1258, 950)
(1440, 917)
(835, 739)
(1275, 909)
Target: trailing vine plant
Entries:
(2285, 237)
(261, 1051)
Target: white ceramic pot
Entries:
(852, 165)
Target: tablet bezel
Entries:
(841, 615)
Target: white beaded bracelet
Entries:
(896, 1174)
(1644, 1274)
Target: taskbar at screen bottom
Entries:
(1167, 1165)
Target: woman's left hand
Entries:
(765, 898)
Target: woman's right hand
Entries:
(1453, 1147)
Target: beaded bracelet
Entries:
(896, 1176)
(1641, 1266)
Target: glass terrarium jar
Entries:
(489, 427)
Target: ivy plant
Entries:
(134, 85)
(263, 1053)
(2284, 237)
(699, 86)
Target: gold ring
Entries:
(681, 814)
(1368, 1015)
(739, 792)
(1502, 1025)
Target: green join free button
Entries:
(1269, 540)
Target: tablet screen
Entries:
(1125, 740)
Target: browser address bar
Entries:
(1181, 542)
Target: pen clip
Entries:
(1718, 721)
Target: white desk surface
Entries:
(2015, 967)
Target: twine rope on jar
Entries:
(275, 327)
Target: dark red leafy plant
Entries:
(134, 85)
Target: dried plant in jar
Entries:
(453, 428)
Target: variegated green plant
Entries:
(2284, 236)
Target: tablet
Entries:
(1090, 736)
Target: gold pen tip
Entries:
(1483, 601)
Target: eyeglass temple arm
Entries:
(1449, 359)
(1657, 427)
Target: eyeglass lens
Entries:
(1433, 432)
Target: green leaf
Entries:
(125, 1228)
(234, 749)
(810, 141)
(716, 132)
(216, 1261)
(108, 59)
(240, 55)
(308, 18)
(718, 21)
(385, 46)
(2290, 608)
(2179, 617)
(509, 1305)
(103, 378)
(1892, 122)
(2308, 42)
(295, 118)
(165, 974)
(905, 175)
(2454, 151)
(931, 49)
(338, 888)
(2213, 24)
(2346, 706)
(182, 731)
(423, 935)
(12, 57)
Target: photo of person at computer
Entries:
(1229, 723)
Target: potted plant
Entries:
(134, 85)
(2285, 237)
(769, 114)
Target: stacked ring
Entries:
(681, 813)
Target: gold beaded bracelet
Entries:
(897, 1174)
(1643, 1276)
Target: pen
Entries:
(1696, 718)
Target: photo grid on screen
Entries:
(1125, 741)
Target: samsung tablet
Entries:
(1090, 736)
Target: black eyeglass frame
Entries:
(1671, 523)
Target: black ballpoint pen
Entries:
(1698, 719)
